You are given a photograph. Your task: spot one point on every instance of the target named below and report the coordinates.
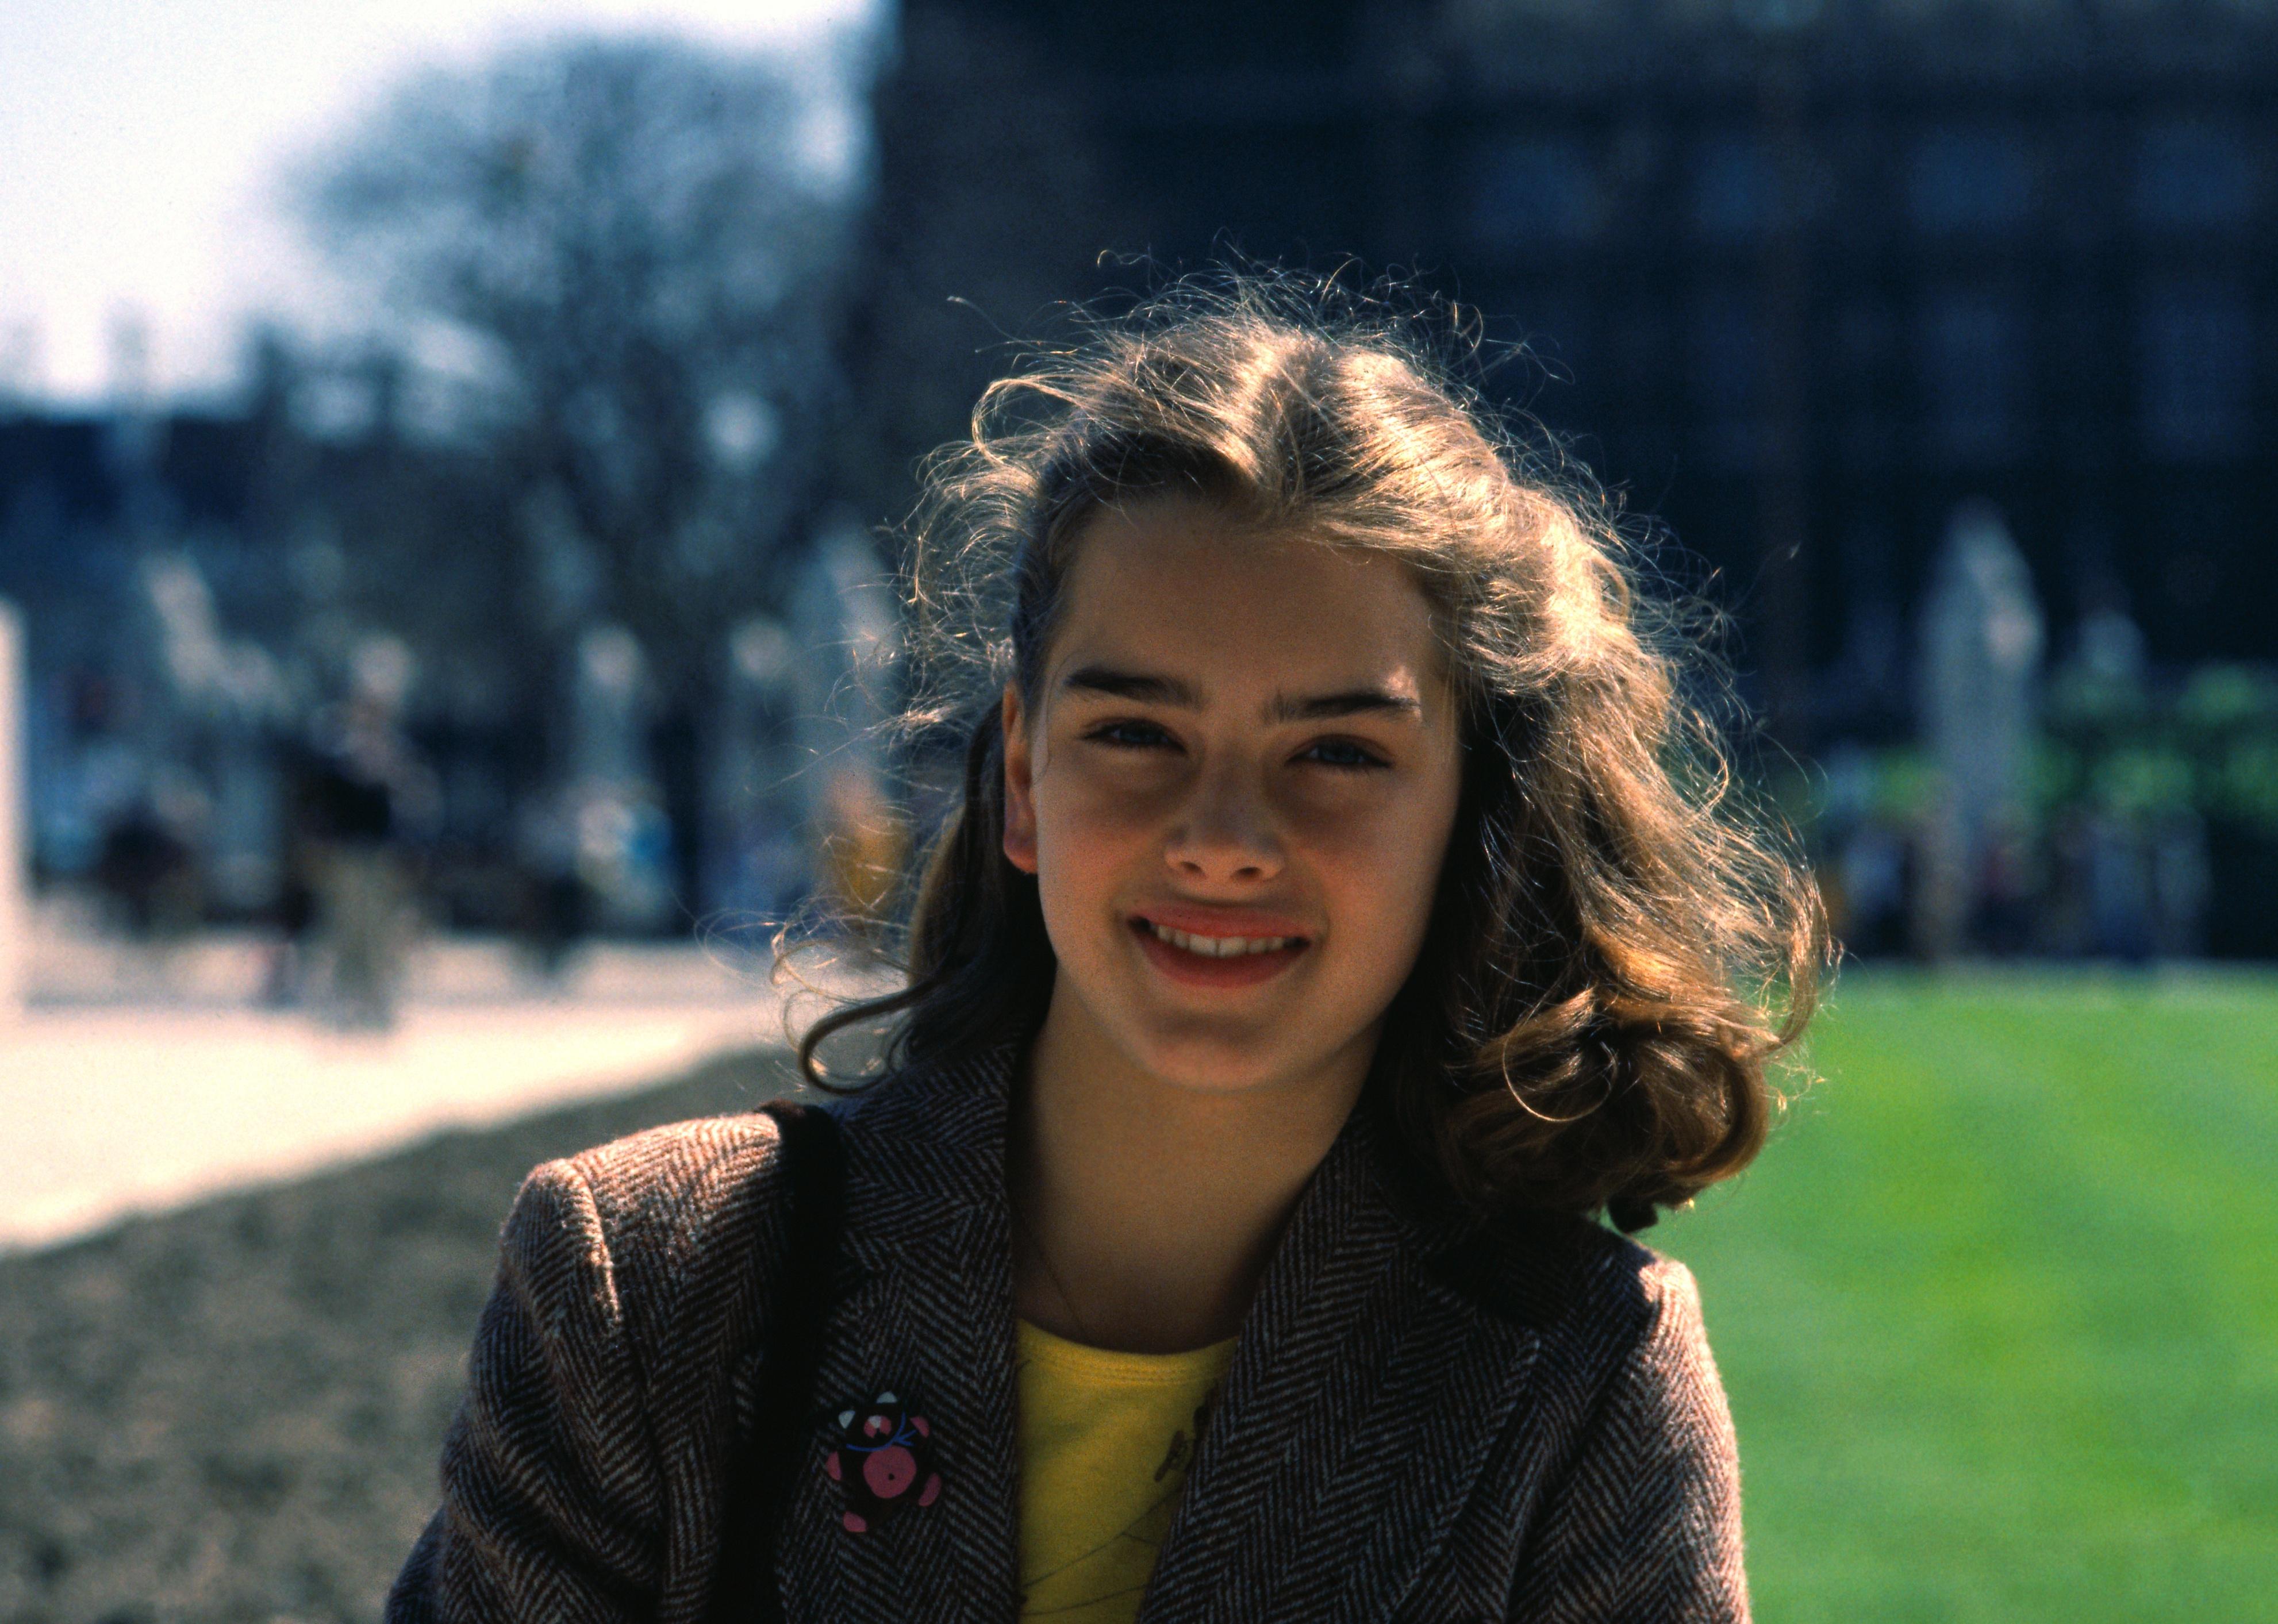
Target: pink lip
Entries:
(1200, 921)
(1196, 970)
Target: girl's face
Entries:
(1236, 794)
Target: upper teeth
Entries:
(1219, 947)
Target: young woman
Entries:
(1342, 912)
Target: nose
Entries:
(1223, 832)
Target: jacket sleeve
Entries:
(552, 1496)
(1643, 1527)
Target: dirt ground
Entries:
(234, 1411)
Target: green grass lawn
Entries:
(1998, 1309)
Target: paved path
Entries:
(110, 1107)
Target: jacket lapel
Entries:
(925, 1312)
(1364, 1397)
(1363, 1402)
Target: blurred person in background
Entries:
(1323, 946)
(551, 911)
(358, 888)
(365, 793)
(147, 866)
(285, 975)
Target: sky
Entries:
(144, 145)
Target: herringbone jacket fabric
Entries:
(1426, 1418)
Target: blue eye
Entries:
(1342, 753)
(1130, 735)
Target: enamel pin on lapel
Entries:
(885, 1461)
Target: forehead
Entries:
(1179, 587)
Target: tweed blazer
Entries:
(1426, 1418)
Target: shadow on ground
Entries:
(234, 1412)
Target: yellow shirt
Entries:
(1104, 1442)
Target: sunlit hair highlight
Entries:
(1622, 943)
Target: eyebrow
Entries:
(1131, 685)
(1351, 702)
(1150, 689)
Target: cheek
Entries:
(1087, 837)
(1381, 862)
(1388, 870)
(1085, 816)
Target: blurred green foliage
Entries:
(2107, 744)
(2182, 776)
(2209, 747)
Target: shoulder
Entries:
(1636, 1468)
(672, 1199)
(1597, 1301)
(1567, 1278)
(666, 1178)
(1625, 1292)
(1625, 1362)
(638, 1220)
(1625, 1391)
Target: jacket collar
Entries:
(1366, 1392)
(925, 1150)
(1364, 1397)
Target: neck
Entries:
(1148, 1210)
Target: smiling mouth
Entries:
(1217, 947)
(1211, 964)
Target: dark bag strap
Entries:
(765, 1477)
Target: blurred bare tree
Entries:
(613, 270)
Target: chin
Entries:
(1191, 1057)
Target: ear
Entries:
(1020, 791)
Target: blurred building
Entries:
(208, 590)
(200, 582)
(1810, 280)
(1805, 273)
